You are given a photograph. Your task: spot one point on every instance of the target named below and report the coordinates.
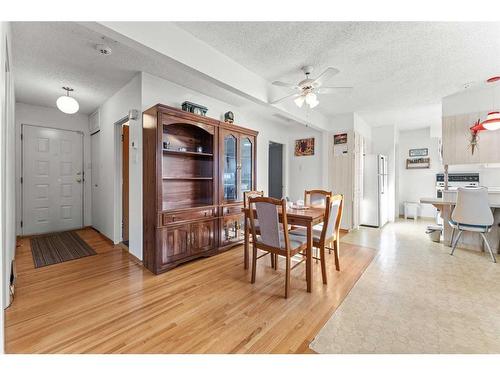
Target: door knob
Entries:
(78, 180)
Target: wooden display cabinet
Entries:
(195, 170)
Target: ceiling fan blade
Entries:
(326, 75)
(284, 84)
(291, 96)
(334, 90)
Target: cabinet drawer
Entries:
(188, 215)
(232, 210)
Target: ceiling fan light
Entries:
(299, 101)
(314, 103)
(492, 121)
(311, 98)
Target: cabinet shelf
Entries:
(187, 153)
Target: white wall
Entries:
(53, 118)
(7, 171)
(361, 127)
(108, 212)
(418, 183)
(305, 171)
(472, 100)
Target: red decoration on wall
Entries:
(474, 135)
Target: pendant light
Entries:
(492, 121)
(66, 103)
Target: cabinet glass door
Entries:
(246, 165)
(230, 177)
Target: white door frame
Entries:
(117, 126)
(22, 169)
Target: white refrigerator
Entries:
(374, 205)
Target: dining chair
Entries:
(329, 234)
(272, 238)
(252, 194)
(315, 198)
(246, 196)
(472, 213)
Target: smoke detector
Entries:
(468, 85)
(103, 49)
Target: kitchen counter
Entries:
(439, 202)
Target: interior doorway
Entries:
(275, 170)
(125, 183)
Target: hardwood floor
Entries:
(108, 303)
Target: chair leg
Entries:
(323, 263)
(452, 235)
(276, 262)
(493, 259)
(287, 280)
(336, 249)
(272, 259)
(456, 241)
(254, 262)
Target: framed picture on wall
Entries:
(340, 139)
(415, 152)
(304, 147)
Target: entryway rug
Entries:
(58, 247)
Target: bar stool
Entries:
(472, 213)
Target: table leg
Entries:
(309, 273)
(246, 241)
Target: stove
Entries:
(456, 180)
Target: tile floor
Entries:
(416, 298)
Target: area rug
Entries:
(58, 247)
(416, 298)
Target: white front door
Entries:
(52, 182)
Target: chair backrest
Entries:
(472, 207)
(267, 213)
(316, 198)
(251, 194)
(333, 216)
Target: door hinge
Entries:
(21, 180)
(21, 223)
(122, 137)
(21, 136)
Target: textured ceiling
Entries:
(392, 65)
(49, 55)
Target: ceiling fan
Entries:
(309, 88)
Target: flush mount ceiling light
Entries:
(66, 103)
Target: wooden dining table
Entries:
(307, 217)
